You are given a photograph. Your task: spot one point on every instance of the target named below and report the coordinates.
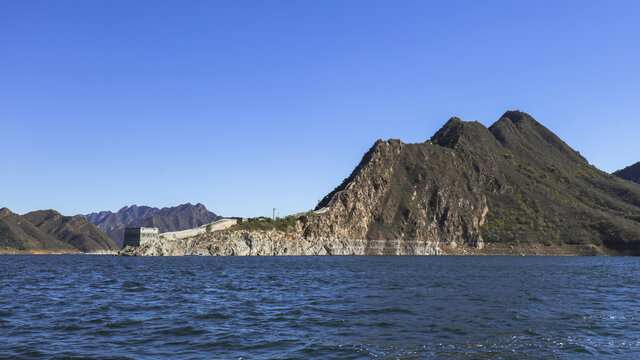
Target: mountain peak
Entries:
(511, 125)
(76, 231)
(516, 182)
(521, 133)
(455, 131)
(517, 116)
(20, 234)
(449, 134)
(631, 173)
(4, 212)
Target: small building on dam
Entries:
(136, 236)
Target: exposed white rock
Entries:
(221, 224)
(275, 243)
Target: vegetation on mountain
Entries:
(515, 182)
(76, 231)
(514, 185)
(285, 224)
(17, 234)
(631, 173)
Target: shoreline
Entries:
(467, 254)
(55, 252)
(489, 249)
(535, 250)
(40, 252)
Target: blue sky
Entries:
(245, 106)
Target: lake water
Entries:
(320, 307)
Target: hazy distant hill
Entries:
(631, 173)
(512, 183)
(17, 233)
(107, 220)
(76, 231)
(182, 217)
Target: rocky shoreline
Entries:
(277, 243)
(534, 250)
(40, 252)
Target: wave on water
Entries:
(320, 307)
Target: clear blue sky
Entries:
(245, 106)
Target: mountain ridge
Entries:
(18, 234)
(514, 182)
(48, 231)
(175, 218)
(74, 230)
(631, 173)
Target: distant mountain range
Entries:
(631, 173)
(182, 217)
(49, 231)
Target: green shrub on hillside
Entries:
(284, 224)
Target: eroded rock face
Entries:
(510, 184)
(268, 243)
(398, 196)
(514, 182)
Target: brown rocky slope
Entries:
(631, 173)
(76, 231)
(514, 183)
(18, 235)
(514, 188)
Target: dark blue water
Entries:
(320, 307)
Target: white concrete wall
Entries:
(216, 225)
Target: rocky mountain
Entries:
(107, 220)
(182, 217)
(47, 231)
(76, 231)
(17, 234)
(512, 184)
(631, 173)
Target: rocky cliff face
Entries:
(269, 243)
(392, 195)
(76, 231)
(631, 173)
(515, 182)
(512, 188)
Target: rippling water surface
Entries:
(320, 307)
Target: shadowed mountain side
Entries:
(631, 173)
(182, 217)
(515, 183)
(76, 231)
(17, 233)
(107, 220)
